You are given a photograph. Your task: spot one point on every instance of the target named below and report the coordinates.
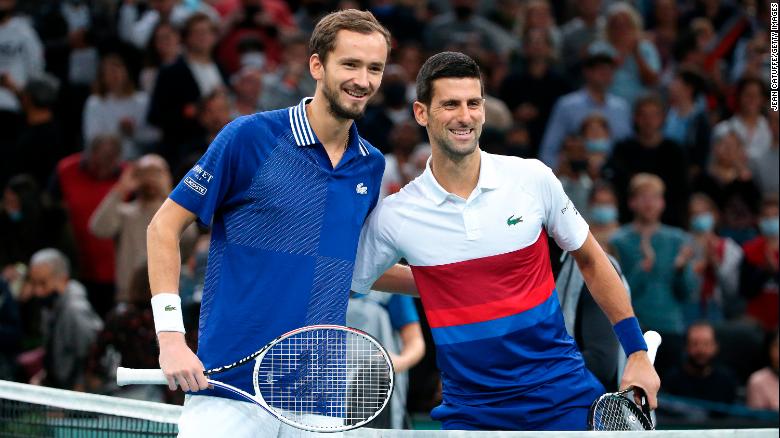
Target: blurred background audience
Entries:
(655, 116)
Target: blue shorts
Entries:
(559, 405)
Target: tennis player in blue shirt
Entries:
(285, 193)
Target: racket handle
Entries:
(653, 340)
(133, 376)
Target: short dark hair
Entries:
(597, 59)
(194, 19)
(693, 80)
(445, 65)
(745, 81)
(650, 98)
(43, 90)
(323, 38)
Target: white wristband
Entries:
(166, 308)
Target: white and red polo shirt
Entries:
(482, 268)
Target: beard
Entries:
(456, 152)
(336, 108)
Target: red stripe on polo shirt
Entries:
(486, 288)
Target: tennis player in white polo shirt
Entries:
(474, 230)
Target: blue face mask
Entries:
(597, 146)
(603, 214)
(702, 223)
(15, 216)
(769, 226)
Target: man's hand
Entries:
(128, 180)
(641, 373)
(179, 363)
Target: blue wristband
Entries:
(630, 335)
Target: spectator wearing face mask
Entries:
(572, 171)
(729, 182)
(603, 213)
(570, 109)
(69, 324)
(656, 261)
(716, 261)
(759, 277)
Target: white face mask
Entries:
(253, 59)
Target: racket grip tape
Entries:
(653, 340)
(133, 376)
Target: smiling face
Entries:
(454, 117)
(351, 73)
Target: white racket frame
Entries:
(134, 376)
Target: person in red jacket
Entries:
(81, 181)
(759, 277)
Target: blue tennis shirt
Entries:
(284, 232)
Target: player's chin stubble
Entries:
(453, 151)
(337, 109)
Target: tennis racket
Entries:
(330, 372)
(616, 410)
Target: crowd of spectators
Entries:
(654, 114)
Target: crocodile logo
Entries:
(512, 220)
(169, 308)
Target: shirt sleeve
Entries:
(204, 188)
(377, 251)
(649, 53)
(402, 311)
(562, 219)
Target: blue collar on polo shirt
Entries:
(488, 180)
(304, 136)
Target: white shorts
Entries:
(207, 417)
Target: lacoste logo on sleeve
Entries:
(199, 188)
(512, 220)
(361, 189)
(169, 308)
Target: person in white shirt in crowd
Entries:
(21, 57)
(748, 121)
(117, 108)
(764, 166)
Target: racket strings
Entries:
(615, 413)
(332, 373)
